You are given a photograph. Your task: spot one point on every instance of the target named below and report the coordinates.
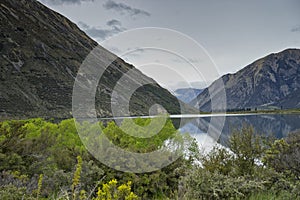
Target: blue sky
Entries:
(234, 33)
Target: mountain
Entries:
(41, 52)
(272, 81)
(187, 94)
(290, 101)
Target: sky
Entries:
(192, 42)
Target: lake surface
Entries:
(210, 128)
(276, 125)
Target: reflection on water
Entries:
(277, 125)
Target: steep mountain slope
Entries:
(187, 94)
(290, 101)
(273, 80)
(41, 52)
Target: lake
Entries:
(209, 128)
(276, 125)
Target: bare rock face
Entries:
(41, 52)
(270, 81)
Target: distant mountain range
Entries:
(187, 94)
(41, 52)
(270, 82)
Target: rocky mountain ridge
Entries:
(270, 82)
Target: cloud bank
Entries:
(114, 27)
(125, 9)
(296, 29)
(113, 22)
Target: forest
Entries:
(45, 159)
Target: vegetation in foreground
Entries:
(44, 160)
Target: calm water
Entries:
(208, 129)
(277, 125)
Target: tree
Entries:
(218, 160)
(284, 155)
(247, 147)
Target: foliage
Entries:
(32, 147)
(40, 182)
(110, 190)
(140, 145)
(76, 178)
(248, 148)
(238, 173)
(9, 192)
(219, 160)
(40, 160)
(283, 155)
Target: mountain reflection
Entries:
(275, 125)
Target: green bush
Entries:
(253, 168)
(35, 146)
